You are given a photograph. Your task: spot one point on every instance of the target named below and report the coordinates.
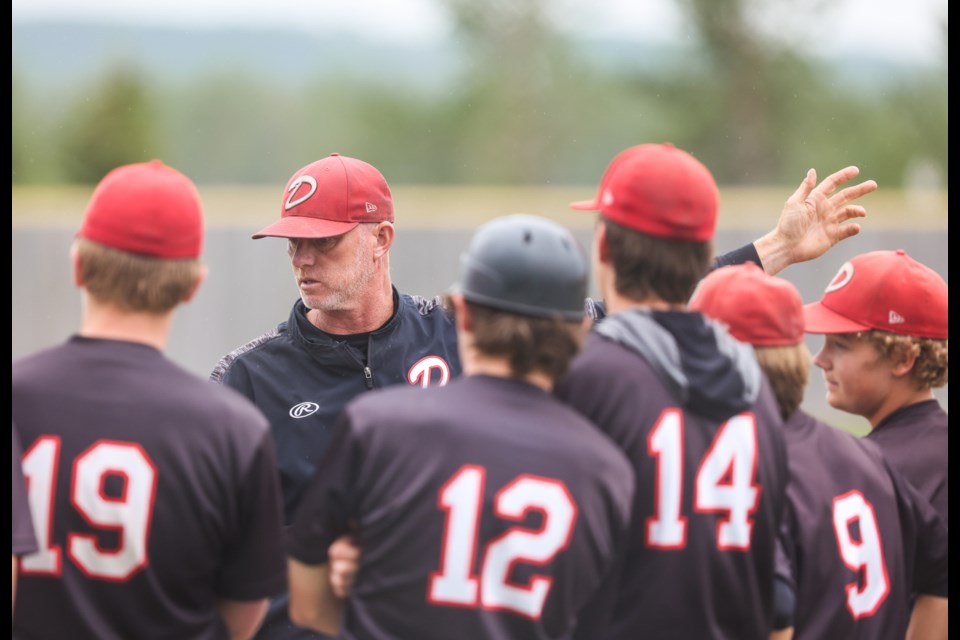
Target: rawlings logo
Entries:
(422, 372)
(294, 186)
(304, 409)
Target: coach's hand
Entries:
(813, 220)
(344, 559)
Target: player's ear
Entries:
(600, 247)
(202, 272)
(385, 234)
(461, 312)
(903, 359)
(75, 261)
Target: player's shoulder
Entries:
(259, 347)
(424, 306)
(835, 443)
(39, 361)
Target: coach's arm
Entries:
(321, 590)
(313, 604)
(929, 618)
(242, 618)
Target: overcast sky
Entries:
(893, 28)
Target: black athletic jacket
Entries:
(301, 377)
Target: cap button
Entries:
(901, 252)
(334, 154)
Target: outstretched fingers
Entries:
(852, 193)
(834, 180)
(845, 231)
(850, 212)
(806, 186)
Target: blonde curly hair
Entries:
(930, 369)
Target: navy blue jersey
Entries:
(154, 493)
(859, 538)
(485, 509)
(694, 414)
(24, 541)
(914, 440)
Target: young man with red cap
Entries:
(689, 406)
(858, 540)
(352, 331)
(884, 316)
(154, 494)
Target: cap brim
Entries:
(303, 227)
(585, 205)
(819, 319)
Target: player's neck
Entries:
(474, 363)
(898, 399)
(107, 322)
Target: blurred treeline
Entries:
(525, 106)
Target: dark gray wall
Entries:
(251, 288)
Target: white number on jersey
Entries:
(456, 584)
(128, 514)
(864, 556)
(725, 482)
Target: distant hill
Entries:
(64, 55)
(68, 54)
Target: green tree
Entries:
(109, 126)
(513, 104)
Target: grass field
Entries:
(467, 206)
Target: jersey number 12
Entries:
(456, 584)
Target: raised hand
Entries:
(814, 219)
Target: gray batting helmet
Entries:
(527, 265)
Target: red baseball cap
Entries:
(330, 197)
(660, 190)
(146, 208)
(759, 309)
(884, 290)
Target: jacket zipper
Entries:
(368, 377)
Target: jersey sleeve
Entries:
(930, 552)
(24, 540)
(254, 564)
(741, 255)
(329, 504)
